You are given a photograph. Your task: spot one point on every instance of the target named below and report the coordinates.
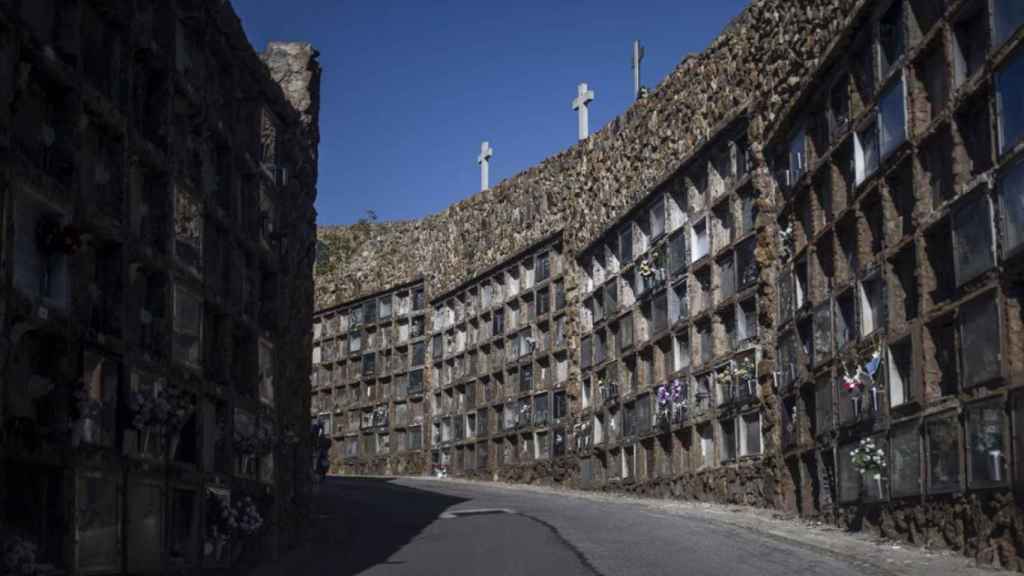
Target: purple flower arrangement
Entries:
(670, 394)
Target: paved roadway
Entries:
(406, 527)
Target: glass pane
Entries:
(728, 440)
(849, 477)
(979, 337)
(626, 244)
(943, 436)
(986, 446)
(822, 333)
(658, 219)
(1011, 194)
(973, 229)
(752, 425)
(143, 528)
(1010, 101)
(866, 153)
(796, 156)
(892, 111)
(906, 462)
(98, 524)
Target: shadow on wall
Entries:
(354, 528)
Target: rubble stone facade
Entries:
(791, 279)
(157, 237)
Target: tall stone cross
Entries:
(583, 97)
(638, 55)
(484, 161)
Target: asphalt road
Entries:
(377, 527)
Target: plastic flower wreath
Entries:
(645, 268)
(669, 394)
(867, 457)
(248, 519)
(19, 555)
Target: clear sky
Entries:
(410, 88)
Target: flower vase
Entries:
(85, 431)
(44, 278)
(995, 464)
(77, 434)
(172, 451)
(878, 486)
(221, 544)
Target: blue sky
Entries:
(411, 88)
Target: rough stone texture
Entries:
(759, 61)
(294, 67)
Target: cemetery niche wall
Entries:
(156, 226)
(791, 277)
(370, 380)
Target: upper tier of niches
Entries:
(375, 336)
(513, 311)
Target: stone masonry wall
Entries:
(765, 53)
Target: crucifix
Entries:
(638, 55)
(483, 160)
(583, 97)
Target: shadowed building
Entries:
(157, 179)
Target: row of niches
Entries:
(534, 342)
(129, 410)
(952, 155)
(959, 355)
(691, 290)
(371, 391)
(643, 451)
(399, 307)
(46, 131)
(666, 240)
(977, 446)
(899, 298)
(382, 355)
(506, 292)
(491, 395)
(948, 256)
(53, 251)
(169, 318)
(525, 317)
(612, 352)
(510, 449)
(170, 524)
(913, 192)
(136, 78)
(909, 53)
(378, 444)
(397, 364)
(452, 423)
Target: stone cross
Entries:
(638, 55)
(583, 97)
(483, 160)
